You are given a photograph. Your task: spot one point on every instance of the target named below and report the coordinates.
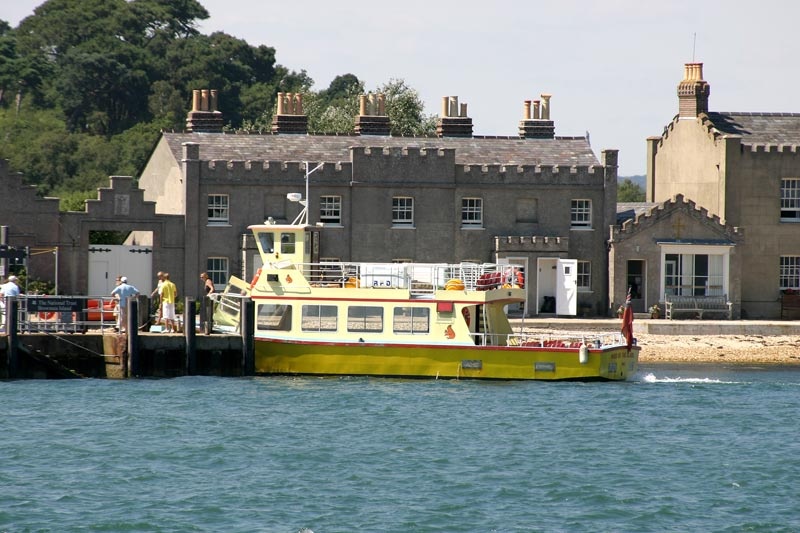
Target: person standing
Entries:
(122, 292)
(169, 293)
(208, 285)
(10, 288)
(155, 296)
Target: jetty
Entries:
(34, 348)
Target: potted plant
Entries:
(655, 311)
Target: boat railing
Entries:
(69, 314)
(420, 278)
(550, 340)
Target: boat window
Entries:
(287, 243)
(267, 241)
(319, 318)
(413, 320)
(364, 318)
(274, 317)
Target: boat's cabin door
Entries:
(567, 287)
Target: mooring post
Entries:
(190, 335)
(132, 328)
(12, 320)
(247, 327)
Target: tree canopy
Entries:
(87, 85)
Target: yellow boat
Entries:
(403, 319)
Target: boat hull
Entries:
(275, 356)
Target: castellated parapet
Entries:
(592, 175)
(665, 210)
(261, 172)
(532, 244)
(412, 165)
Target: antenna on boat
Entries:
(302, 218)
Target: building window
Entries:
(411, 320)
(319, 318)
(584, 276)
(365, 319)
(330, 210)
(580, 214)
(471, 213)
(402, 211)
(790, 272)
(218, 209)
(790, 200)
(217, 268)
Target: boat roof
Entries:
(476, 150)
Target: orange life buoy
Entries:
(520, 279)
(46, 315)
(255, 278)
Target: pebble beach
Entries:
(694, 348)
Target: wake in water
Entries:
(651, 378)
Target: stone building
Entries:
(741, 168)
(537, 200)
(59, 243)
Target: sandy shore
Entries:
(732, 349)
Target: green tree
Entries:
(628, 191)
(406, 110)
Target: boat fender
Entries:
(583, 354)
(255, 279)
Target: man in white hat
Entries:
(122, 292)
(10, 288)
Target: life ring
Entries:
(454, 285)
(255, 279)
(351, 283)
(47, 315)
(520, 279)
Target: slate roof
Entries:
(759, 128)
(630, 210)
(562, 151)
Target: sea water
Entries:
(675, 449)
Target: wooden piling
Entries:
(132, 329)
(12, 320)
(247, 328)
(190, 336)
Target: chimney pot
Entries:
(526, 110)
(204, 100)
(362, 104)
(453, 111)
(212, 103)
(536, 109)
(546, 106)
(382, 104)
(298, 108)
(280, 104)
(463, 112)
(196, 100)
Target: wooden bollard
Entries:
(190, 336)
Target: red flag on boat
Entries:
(627, 320)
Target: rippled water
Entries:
(677, 449)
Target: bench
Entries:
(790, 306)
(699, 305)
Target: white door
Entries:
(107, 261)
(567, 287)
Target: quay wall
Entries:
(64, 355)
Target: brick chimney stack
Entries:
(536, 126)
(693, 92)
(204, 116)
(454, 121)
(289, 117)
(372, 118)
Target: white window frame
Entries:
(790, 200)
(402, 212)
(584, 276)
(471, 212)
(330, 210)
(580, 213)
(218, 269)
(790, 272)
(218, 209)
